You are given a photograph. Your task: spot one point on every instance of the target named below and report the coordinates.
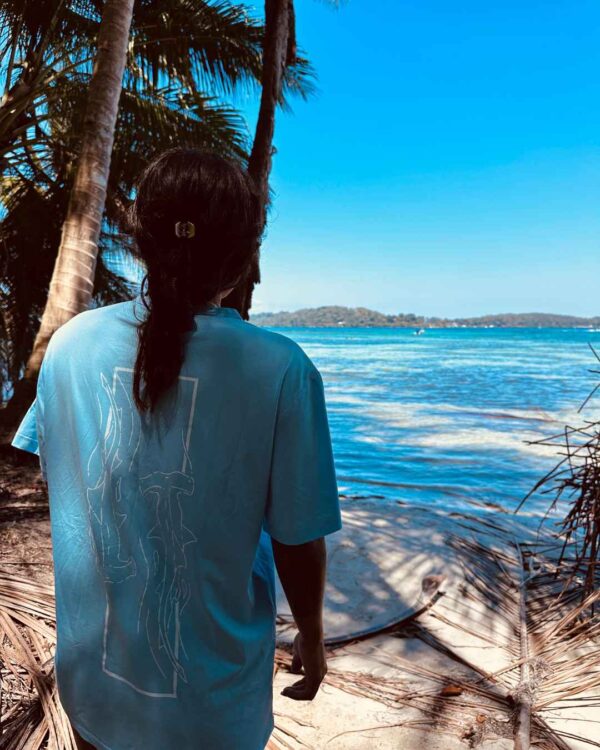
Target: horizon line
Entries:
(421, 315)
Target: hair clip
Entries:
(185, 229)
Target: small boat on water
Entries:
(419, 332)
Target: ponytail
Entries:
(184, 273)
(161, 340)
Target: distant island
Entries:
(361, 317)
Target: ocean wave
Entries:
(454, 413)
(407, 414)
(483, 440)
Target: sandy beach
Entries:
(421, 622)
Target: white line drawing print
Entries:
(145, 572)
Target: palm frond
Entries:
(573, 484)
(31, 708)
(513, 621)
(210, 46)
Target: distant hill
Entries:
(360, 317)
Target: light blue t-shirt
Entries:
(164, 573)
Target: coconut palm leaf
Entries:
(31, 714)
(211, 46)
(188, 44)
(31, 708)
(40, 188)
(185, 56)
(28, 253)
(512, 620)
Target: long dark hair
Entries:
(184, 273)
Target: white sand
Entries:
(383, 566)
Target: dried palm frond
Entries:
(31, 713)
(576, 480)
(516, 622)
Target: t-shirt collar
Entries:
(222, 312)
(208, 309)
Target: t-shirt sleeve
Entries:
(30, 434)
(303, 501)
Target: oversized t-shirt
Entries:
(161, 524)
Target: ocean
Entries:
(448, 418)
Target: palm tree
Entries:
(279, 51)
(280, 54)
(72, 280)
(176, 55)
(44, 42)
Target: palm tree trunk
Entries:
(279, 49)
(72, 280)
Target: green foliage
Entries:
(186, 59)
(361, 317)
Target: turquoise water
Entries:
(444, 418)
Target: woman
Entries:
(186, 451)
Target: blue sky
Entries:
(449, 163)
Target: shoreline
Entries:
(427, 327)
